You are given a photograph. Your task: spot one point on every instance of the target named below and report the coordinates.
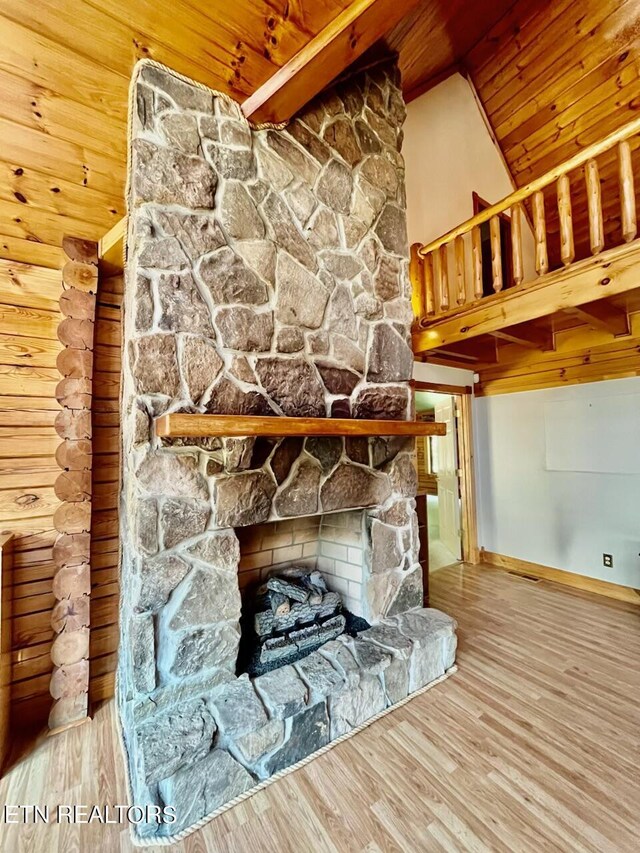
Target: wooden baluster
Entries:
(496, 253)
(516, 243)
(441, 275)
(627, 193)
(461, 291)
(427, 275)
(417, 290)
(567, 252)
(594, 205)
(476, 254)
(540, 231)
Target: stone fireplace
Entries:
(266, 275)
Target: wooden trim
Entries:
(323, 58)
(72, 725)
(540, 183)
(595, 585)
(178, 425)
(611, 273)
(111, 249)
(6, 581)
(441, 388)
(470, 551)
(469, 533)
(71, 584)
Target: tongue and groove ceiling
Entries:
(552, 76)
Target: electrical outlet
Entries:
(607, 560)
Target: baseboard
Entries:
(523, 567)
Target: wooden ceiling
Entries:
(555, 76)
(64, 75)
(552, 76)
(435, 37)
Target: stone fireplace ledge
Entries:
(198, 755)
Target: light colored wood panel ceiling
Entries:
(64, 73)
(553, 78)
(438, 34)
(64, 76)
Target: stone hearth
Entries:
(266, 275)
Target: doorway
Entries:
(445, 475)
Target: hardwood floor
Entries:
(533, 745)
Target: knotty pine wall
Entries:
(29, 319)
(582, 355)
(64, 77)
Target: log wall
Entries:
(29, 346)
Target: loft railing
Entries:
(437, 292)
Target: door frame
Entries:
(463, 401)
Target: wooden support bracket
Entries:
(603, 315)
(527, 336)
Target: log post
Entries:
(627, 193)
(496, 253)
(427, 274)
(540, 231)
(417, 284)
(71, 553)
(567, 252)
(476, 254)
(594, 205)
(516, 243)
(441, 272)
(461, 288)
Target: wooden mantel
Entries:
(200, 426)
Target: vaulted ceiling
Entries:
(552, 76)
(555, 76)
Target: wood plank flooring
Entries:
(534, 745)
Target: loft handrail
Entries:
(540, 183)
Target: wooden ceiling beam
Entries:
(323, 58)
(528, 336)
(603, 315)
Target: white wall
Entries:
(562, 519)
(448, 154)
(441, 374)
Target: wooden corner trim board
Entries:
(599, 587)
(608, 274)
(69, 685)
(111, 249)
(440, 388)
(6, 588)
(323, 58)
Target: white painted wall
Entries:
(448, 154)
(562, 519)
(441, 374)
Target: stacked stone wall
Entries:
(267, 274)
